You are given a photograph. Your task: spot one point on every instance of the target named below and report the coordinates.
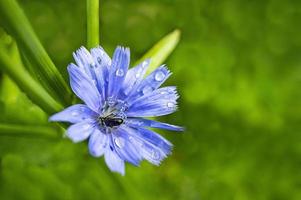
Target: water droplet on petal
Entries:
(119, 141)
(144, 64)
(74, 113)
(99, 60)
(137, 75)
(170, 90)
(155, 155)
(147, 89)
(86, 126)
(82, 109)
(170, 105)
(159, 76)
(111, 101)
(119, 72)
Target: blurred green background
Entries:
(238, 71)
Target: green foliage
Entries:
(15, 21)
(237, 68)
(32, 88)
(161, 50)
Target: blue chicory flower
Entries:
(116, 102)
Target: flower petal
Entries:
(155, 139)
(100, 57)
(160, 102)
(124, 147)
(133, 78)
(84, 60)
(140, 122)
(80, 131)
(98, 142)
(114, 162)
(153, 147)
(73, 114)
(151, 82)
(103, 62)
(119, 67)
(84, 88)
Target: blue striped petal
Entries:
(84, 60)
(103, 62)
(140, 122)
(132, 79)
(84, 88)
(118, 70)
(124, 147)
(153, 147)
(114, 162)
(74, 114)
(98, 143)
(151, 82)
(160, 102)
(80, 131)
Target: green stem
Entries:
(161, 50)
(16, 23)
(29, 130)
(28, 85)
(92, 23)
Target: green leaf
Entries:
(26, 83)
(13, 100)
(17, 24)
(161, 50)
(30, 130)
(92, 23)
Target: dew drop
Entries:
(170, 105)
(155, 155)
(170, 90)
(147, 89)
(74, 113)
(137, 75)
(159, 76)
(111, 101)
(119, 72)
(99, 60)
(83, 109)
(136, 122)
(86, 126)
(119, 141)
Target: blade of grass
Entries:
(16, 23)
(92, 23)
(161, 50)
(28, 85)
(30, 130)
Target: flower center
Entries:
(112, 113)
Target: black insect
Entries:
(110, 121)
